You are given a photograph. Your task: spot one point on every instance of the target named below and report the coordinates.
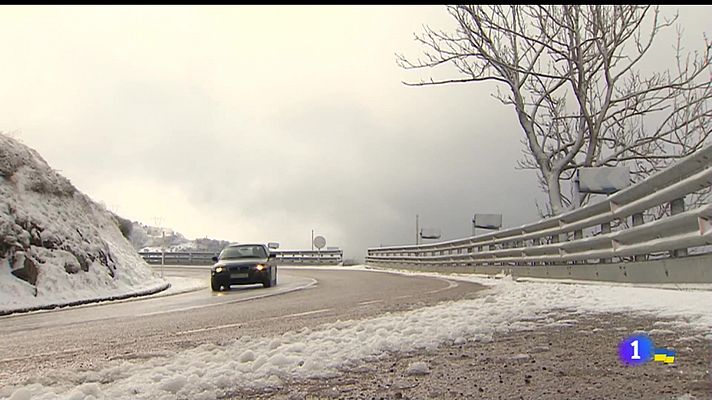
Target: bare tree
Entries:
(573, 76)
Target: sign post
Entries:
(417, 230)
(319, 242)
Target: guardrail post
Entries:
(605, 228)
(492, 248)
(578, 234)
(554, 239)
(637, 221)
(677, 206)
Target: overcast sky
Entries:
(263, 123)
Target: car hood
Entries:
(240, 261)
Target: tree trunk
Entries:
(554, 191)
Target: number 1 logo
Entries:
(635, 355)
(636, 350)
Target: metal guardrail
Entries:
(609, 231)
(284, 257)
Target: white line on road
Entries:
(301, 314)
(312, 282)
(451, 284)
(214, 328)
(364, 303)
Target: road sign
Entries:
(487, 221)
(603, 180)
(430, 233)
(319, 242)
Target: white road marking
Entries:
(451, 284)
(323, 310)
(370, 302)
(214, 328)
(311, 283)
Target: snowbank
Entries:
(57, 246)
(209, 371)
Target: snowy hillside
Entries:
(56, 245)
(150, 238)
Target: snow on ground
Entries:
(180, 284)
(207, 371)
(57, 246)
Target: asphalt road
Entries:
(89, 336)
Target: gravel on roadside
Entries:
(576, 360)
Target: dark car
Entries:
(244, 264)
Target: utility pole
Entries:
(159, 223)
(417, 229)
(312, 241)
(163, 250)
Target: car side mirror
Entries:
(215, 259)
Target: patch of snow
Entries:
(520, 357)
(174, 384)
(417, 368)
(460, 340)
(180, 284)
(21, 394)
(687, 396)
(661, 332)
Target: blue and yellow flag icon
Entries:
(664, 355)
(639, 349)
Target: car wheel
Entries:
(214, 285)
(269, 281)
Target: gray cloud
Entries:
(262, 123)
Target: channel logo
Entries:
(640, 349)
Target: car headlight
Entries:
(219, 270)
(260, 267)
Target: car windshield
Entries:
(243, 252)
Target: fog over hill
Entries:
(152, 238)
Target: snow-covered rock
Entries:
(57, 246)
